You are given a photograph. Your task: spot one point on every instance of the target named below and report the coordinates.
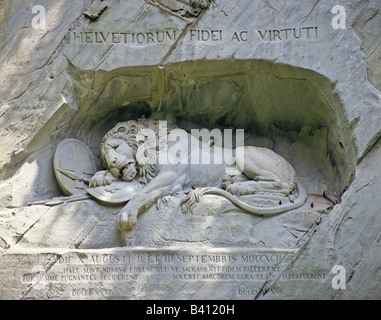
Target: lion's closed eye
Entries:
(112, 146)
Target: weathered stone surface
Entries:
(277, 69)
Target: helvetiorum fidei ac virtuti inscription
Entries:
(189, 150)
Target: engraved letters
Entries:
(130, 38)
(205, 35)
(87, 274)
(194, 35)
(289, 33)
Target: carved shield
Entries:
(73, 165)
(117, 192)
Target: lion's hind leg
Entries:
(268, 171)
(260, 184)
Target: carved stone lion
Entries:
(132, 150)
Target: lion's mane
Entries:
(129, 132)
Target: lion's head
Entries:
(130, 148)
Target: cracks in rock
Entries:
(371, 17)
(312, 9)
(186, 11)
(51, 58)
(47, 267)
(277, 11)
(216, 5)
(299, 249)
(191, 13)
(190, 25)
(17, 97)
(19, 232)
(93, 16)
(20, 236)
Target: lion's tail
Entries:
(194, 197)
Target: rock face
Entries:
(299, 78)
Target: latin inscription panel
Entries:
(125, 273)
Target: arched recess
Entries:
(294, 111)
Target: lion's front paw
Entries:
(226, 182)
(127, 219)
(235, 188)
(101, 178)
